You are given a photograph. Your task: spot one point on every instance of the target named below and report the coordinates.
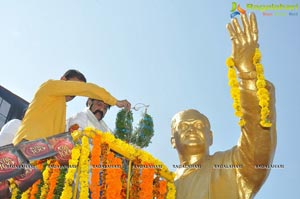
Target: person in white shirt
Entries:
(8, 131)
(92, 116)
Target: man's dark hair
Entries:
(74, 73)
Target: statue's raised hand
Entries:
(244, 41)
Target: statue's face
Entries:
(191, 133)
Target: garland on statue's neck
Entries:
(262, 92)
(234, 90)
(143, 132)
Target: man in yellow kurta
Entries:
(237, 173)
(46, 114)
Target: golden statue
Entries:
(242, 170)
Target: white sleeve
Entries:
(9, 131)
(80, 119)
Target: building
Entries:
(11, 106)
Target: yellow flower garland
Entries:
(79, 162)
(125, 149)
(171, 190)
(235, 91)
(46, 174)
(69, 179)
(262, 92)
(26, 194)
(14, 189)
(84, 168)
(130, 152)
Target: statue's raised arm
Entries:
(256, 147)
(240, 171)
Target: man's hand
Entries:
(124, 104)
(244, 42)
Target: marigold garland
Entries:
(160, 186)
(46, 174)
(235, 91)
(53, 179)
(113, 177)
(26, 194)
(135, 180)
(131, 152)
(15, 192)
(69, 178)
(84, 168)
(60, 183)
(262, 92)
(146, 185)
(162, 189)
(35, 186)
(104, 154)
(126, 150)
(109, 142)
(95, 163)
(34, 189)
(40, 185)
(114, 180)
(171, 190)
(124, 184)
(156, 185)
